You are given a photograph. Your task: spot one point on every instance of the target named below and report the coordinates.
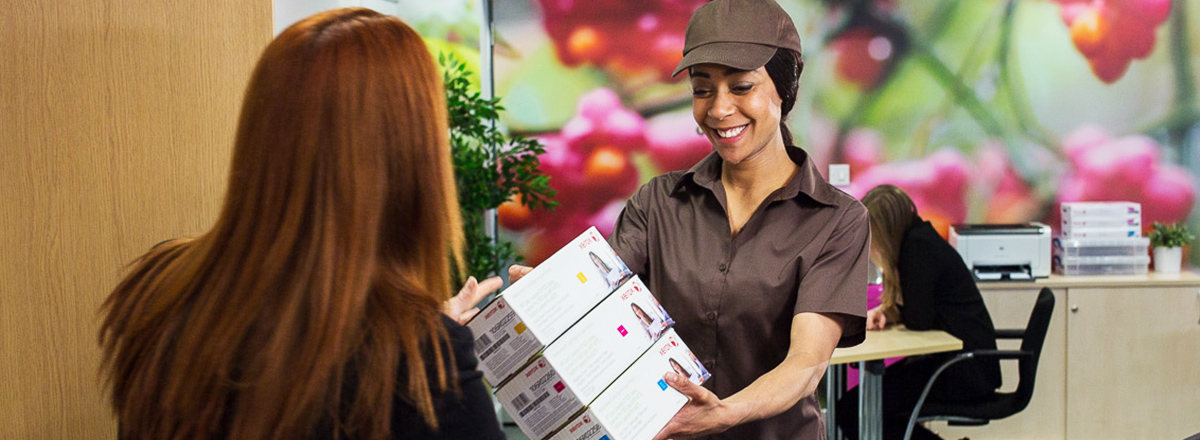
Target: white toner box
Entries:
(576, 367)
(539, 307)
(1117, 232)
(639, 403)
(1086, 223)
(1092, 210)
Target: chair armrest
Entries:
(1002, 354)
(1010, 333)
(966, 355)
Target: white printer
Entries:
(1004, 251)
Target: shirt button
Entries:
(711, 316)
(722, 267)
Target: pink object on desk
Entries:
(873, 293)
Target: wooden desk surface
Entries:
(1152, 279)
(896, 341)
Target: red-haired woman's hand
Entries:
(461, 307)
(516, 271)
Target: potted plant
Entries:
(489, 168)
(1167, 242)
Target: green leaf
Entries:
(489, 169)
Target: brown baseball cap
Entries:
(737, 33)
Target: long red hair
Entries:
(325, 273)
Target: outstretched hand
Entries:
(704, 413)
(461, 307)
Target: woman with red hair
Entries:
(314, 306)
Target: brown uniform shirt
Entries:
(733, 298)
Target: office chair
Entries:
(996, 405)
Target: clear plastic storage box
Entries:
(1101, 265)
(1101, 247)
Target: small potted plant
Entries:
(1167, 242)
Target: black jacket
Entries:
(940, 293)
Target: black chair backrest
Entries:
(1035, 336)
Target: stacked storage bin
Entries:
(1101, 238)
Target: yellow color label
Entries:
(582, 278)
(520, 328)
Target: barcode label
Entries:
(520, 401)
(482, 343)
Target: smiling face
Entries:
(739, 110)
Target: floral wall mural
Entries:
(983, 110)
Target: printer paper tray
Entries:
(1002, 273)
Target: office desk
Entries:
(879, 345)
(1122, 349)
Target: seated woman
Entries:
(926, 286)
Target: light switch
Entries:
(839, 174)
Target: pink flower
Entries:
(937, 184)
(590, 167)
(673, 142)
(1112, 33)
(602, 120)
(626, 38)
(1011, 200)
(863, 150)
(1128, 168)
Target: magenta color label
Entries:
(622, 331)
(558, 387)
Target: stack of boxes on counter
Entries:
(577, 349)
(1101, 238)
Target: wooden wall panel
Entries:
(116, 121)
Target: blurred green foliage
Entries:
(489, 167)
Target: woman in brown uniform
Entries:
(761, 262)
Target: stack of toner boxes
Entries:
(577, 349)
(1101, 238)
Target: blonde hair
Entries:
(891, 213)
(324, 275)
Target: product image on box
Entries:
(612, 270)
(693, 371)
(651, 315)
(538, 308)
(639, 403)
(586, 359)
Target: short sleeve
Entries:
(628, 238)
(836, 282)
